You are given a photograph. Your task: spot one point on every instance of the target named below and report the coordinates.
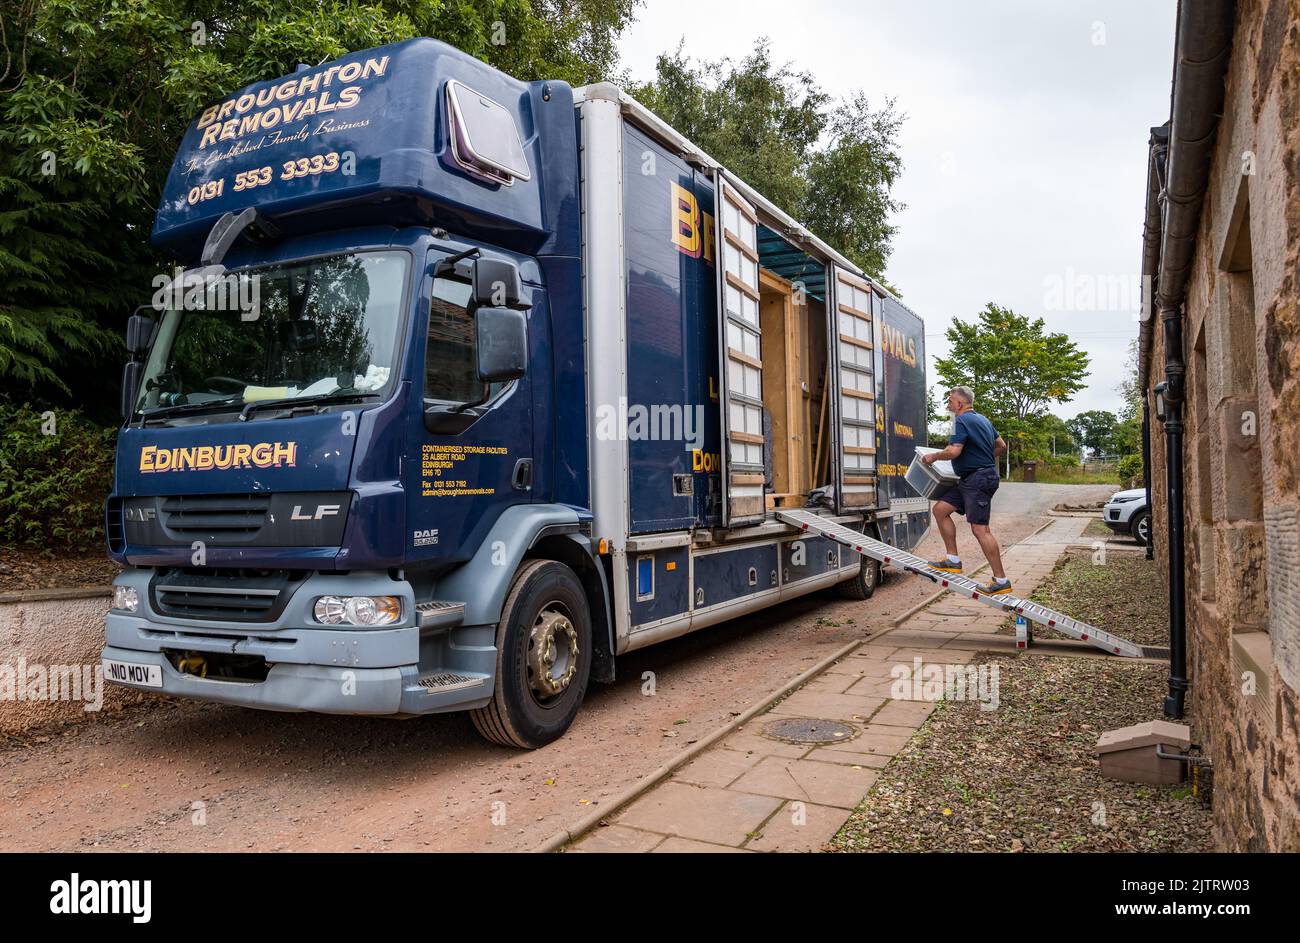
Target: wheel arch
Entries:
(573, 549)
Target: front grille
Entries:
(223, 595)
(1114, 515)
(235, 516)
(114, 529)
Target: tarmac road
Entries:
(185, 776)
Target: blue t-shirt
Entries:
(976, 436)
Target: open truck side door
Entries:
(852, 309)
(740, 356)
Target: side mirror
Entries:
(501, 342)
(501, 338)
(139, 333)
(131, 374)
(496, 284)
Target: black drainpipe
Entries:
(1200, 63)
(1172, 322)
(1151, 237)
(1146, 471)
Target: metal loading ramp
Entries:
(954, 583)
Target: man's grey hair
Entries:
(965, 392)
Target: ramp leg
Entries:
(1024, 632)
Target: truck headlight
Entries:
(357, 610)
(126, 598)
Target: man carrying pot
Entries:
(974, 448)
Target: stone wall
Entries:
(1242, 445)
(50, 643)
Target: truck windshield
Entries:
(303, 329)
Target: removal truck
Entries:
(465, 386)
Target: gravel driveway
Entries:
(184, 776)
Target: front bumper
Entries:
(321, 688)
(312, 667)
(1118, 517)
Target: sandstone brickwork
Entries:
(1242, 447)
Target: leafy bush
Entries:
(1065, 460)
(1130, 468)
(56, 469)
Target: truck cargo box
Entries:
(789, 414)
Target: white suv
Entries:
(1127, 513)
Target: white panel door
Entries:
(851, 331)
(741, 358)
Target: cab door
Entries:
(460, 477)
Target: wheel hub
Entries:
(552, 654)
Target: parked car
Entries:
(1127, 512)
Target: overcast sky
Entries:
(1024, 147)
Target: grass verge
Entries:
(1123, 595)
(1098, 529)
(1025, 776)
(1065, 475)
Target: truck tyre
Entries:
(865, 583)
(1141, 527)
(543, 658)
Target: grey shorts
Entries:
(973, 495)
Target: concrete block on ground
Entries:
(1129, 753)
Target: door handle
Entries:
(522, 479)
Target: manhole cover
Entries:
(809, 730)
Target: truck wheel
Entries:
(543, 658)
(865, 583)
(1141, 527)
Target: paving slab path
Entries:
(751, 793)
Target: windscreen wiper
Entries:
(320, 399)
(181, 409)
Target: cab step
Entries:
(450, 681)
(437, 614)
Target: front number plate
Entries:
(125, 672)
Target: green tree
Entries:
(1129, 391)
(1095, 429)
(829, 165)
(933, 413)
(1015, 368)
(1054, 438)
(1128, 432)
(1127, 438)
(96, 94)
